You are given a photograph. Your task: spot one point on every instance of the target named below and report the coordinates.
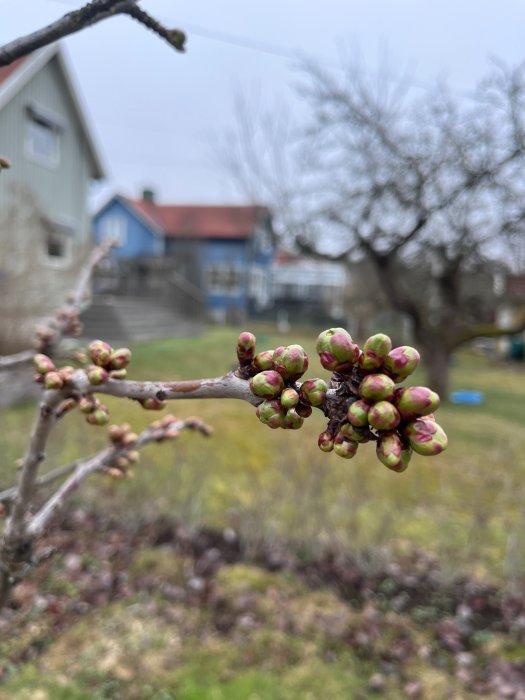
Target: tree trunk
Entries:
(436, 361)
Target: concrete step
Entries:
(124, 320)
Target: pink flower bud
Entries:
(426, 437)
(118, 373)
(358, 413)
(66, 374)
(392, 453)
(43, 364)
(100, 416)
(86, 405)
(271, 413)
(291, 361)
(292, 420)
(383, 416)
(289, 398)
(376, 387)
(343, 447)
(313, 391)
(375, 350)
(263, 360)
(53, 381)
(326, 441)
(246, 347)
(267, 384)
(100, 352)
(401, 361)
(416, 401)
(97, 375)
(120, 358)
(152, 404)
(337, 351)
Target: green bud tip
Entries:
(383, 416)
(246, 346)
(376, 387)
(100, 352)
(343, 447)
(97, 375)
(313, 391)
(120, 358)
(291, 361)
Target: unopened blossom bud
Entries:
(292, 420)
(426, 437)
(383, 416)
(133, 456)
(392, 453)
(116, 433)
(43, 364)
(291, 361)
(100, 352)
(376, 387)
(337, 350)
(375, 350)
(53, 380)
(118, 373)
(289, 398)
(100, 416)
(313, 391)
(120, 358)
(66, 374)
(271, 413)
(343, 447)
(263, 360)
(303, 409)
(86, 404)
(122, 462)
(326, 441)
(245, 347)
(267, 384)
(416, 401)
(348, 431)
(152, 404)
(358, 413)
(129, 438)
(401, 361)
(97, 375)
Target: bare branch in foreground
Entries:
(82, 18)
(51, 476)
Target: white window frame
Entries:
(224, 269)
(67, 231)
(40, 117)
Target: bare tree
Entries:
(429, 191)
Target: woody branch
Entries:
(86, 16)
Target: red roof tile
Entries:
(6, 71)
(200, 221)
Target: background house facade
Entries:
(223, 252)
(44, 220)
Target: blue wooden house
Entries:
(224, 251)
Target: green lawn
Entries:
(465, 505)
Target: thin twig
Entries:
(44, 480)
(86, 16)
(99, 462)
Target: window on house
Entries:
(223, 278)
(43, 139)
(116, 227)
(57, 243)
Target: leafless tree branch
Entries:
(86, 16)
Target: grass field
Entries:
(465, 505)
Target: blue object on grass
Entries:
(474, 398)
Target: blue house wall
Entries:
(209, 253)
(137, 239)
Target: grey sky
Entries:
(154, 112)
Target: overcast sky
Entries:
(155, 112)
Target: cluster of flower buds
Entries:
(365, 405)
(124, 441)
(48, 375)
(107, 363)
(273, 377)
(399, 419)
